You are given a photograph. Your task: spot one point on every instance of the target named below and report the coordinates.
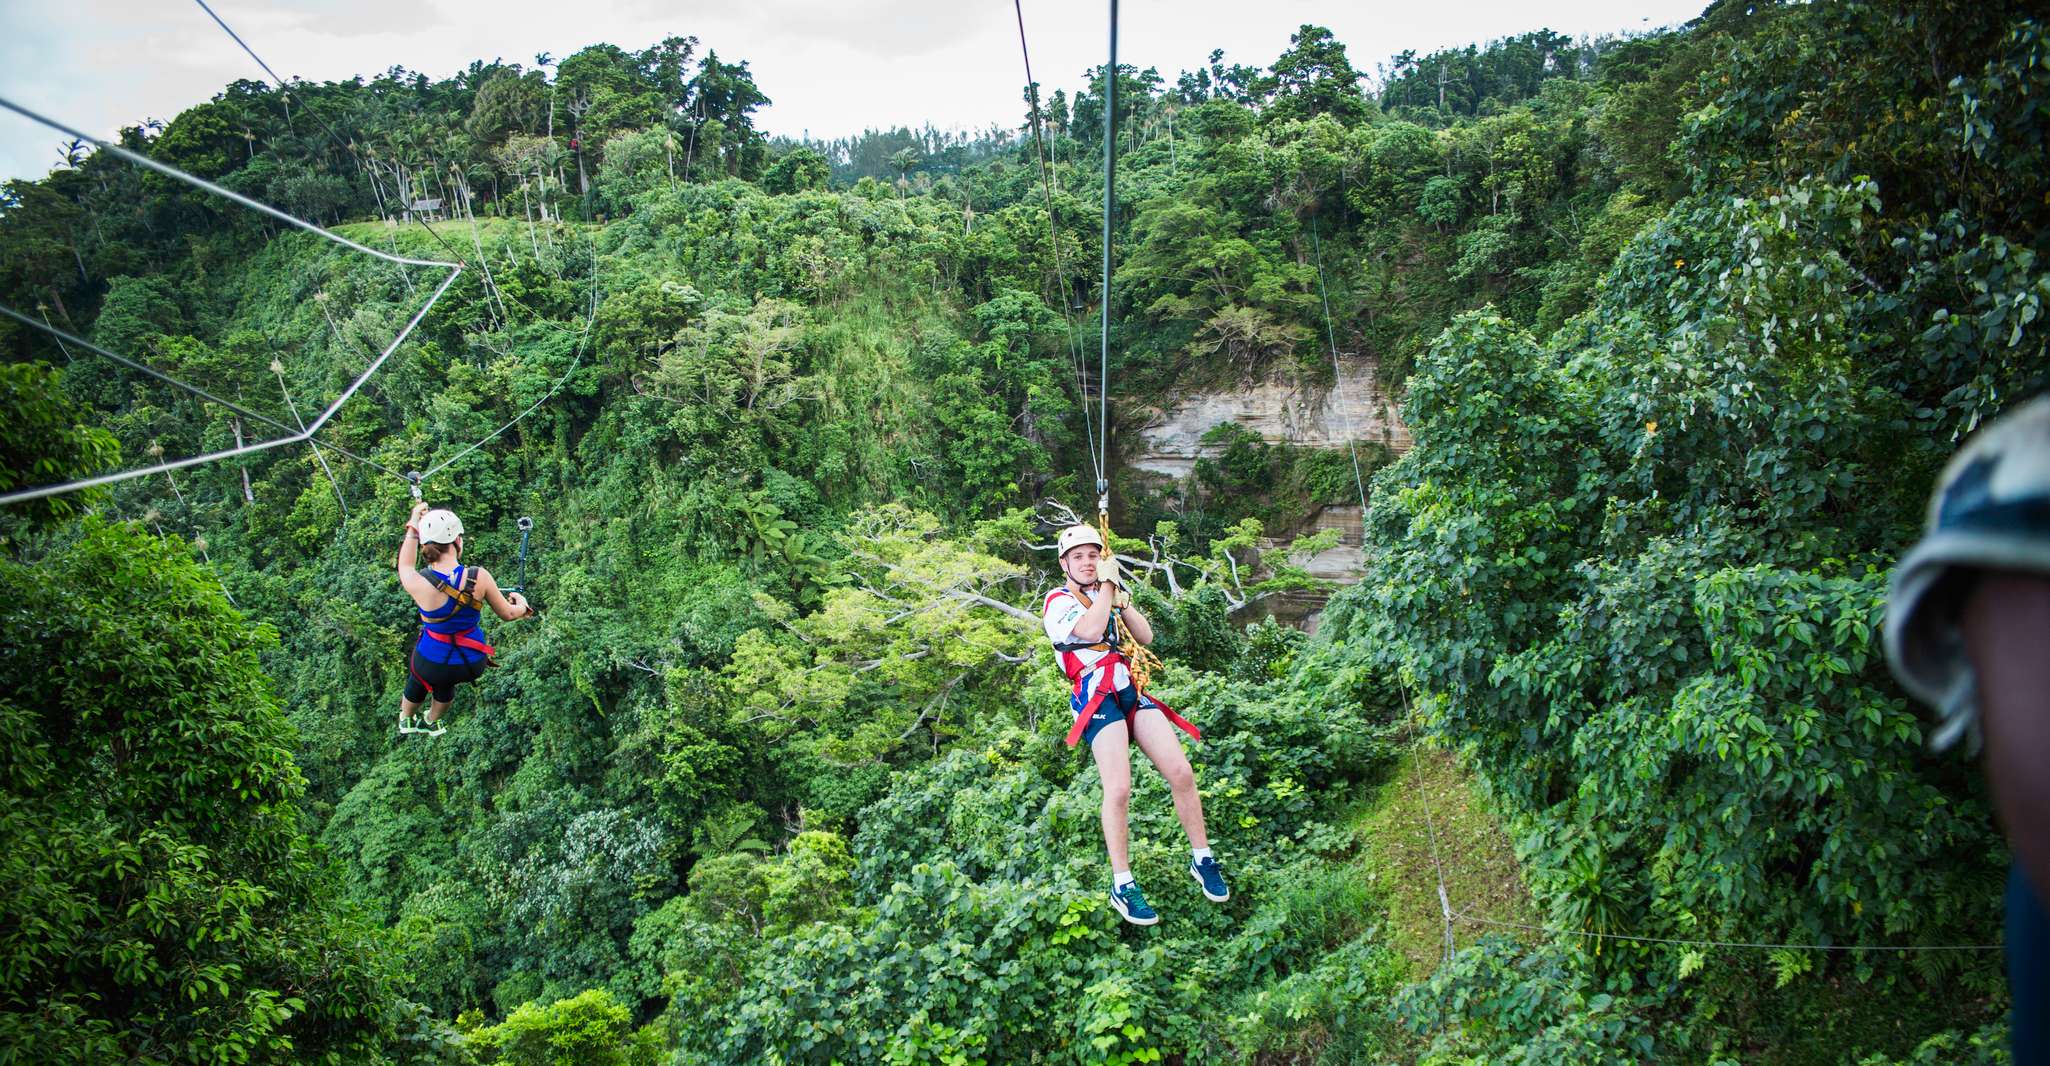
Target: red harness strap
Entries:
(466, 598)
(463, 640)
(1071, 664)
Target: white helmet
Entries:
(440, 526)
(1076, 536)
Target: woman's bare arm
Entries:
(508, 606)
(410, 578)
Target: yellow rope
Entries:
(1139, 659)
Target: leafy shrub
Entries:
(163, 899)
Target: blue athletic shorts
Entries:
(1119, 706)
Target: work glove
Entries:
(1107, 573)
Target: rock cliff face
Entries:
(1283, 412)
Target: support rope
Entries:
(277, 368)
(1431, 829)
(1331, 338)
(575, 361)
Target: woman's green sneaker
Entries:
(1131, 904)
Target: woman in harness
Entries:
(1083, 618)
(452, 648)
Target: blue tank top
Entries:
(450, 619)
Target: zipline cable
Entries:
(483, 260)
(1465, 916)
(305, 434)
(308, 432)
(201, 183)
(291, 436)
(245, 46)
(1110, 176)
(332, 135)
(1053, 238)
(152, 372)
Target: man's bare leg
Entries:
(1156, 738)
(1112, 750)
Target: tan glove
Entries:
(1107, 572)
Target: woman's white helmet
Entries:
(440, 526)
(1077, 535)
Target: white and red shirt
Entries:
(1059, 613)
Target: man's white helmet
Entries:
(1076, 536)
(440, 527)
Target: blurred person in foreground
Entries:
(1968, 632)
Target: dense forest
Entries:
(1684, 325)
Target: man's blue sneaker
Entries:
(1131, 905)
(1207, 874)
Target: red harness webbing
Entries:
(466, 598)
(462, 640)
(1071, 664)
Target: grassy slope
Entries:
(1429, 790)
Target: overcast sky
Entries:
(832, 67)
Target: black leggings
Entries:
(424, 674)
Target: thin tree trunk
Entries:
(377, 191)
(484, 261)
(248, 495)
(528, 204)
(58, 300)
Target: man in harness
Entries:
(1086, 618)
(452, 648)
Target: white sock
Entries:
(1201, 854)
(1121, 878)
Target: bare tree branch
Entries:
(939, 700)
(1016, 612)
